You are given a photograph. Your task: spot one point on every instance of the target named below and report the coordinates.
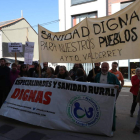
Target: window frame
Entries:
(80, 15)
(126, 2)
(82, 2)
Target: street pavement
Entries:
(14, 130)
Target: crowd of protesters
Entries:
(77, 73)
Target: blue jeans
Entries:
(138, 119)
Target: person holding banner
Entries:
(4, 80)
(49, 73)
(80, 75)
(45, 66)
(36, 71)
(97, 69)
(13, 74)
(135, 80)
(73, 72)
(32, 69)
(63, 73)
(23, 71)
(56, 70)
(108, 78)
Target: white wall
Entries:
(115, 7)
(0, 44)
(21, 36)
(99, 6)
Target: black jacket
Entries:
(4, 76)
(90, 75)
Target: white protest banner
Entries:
(114, 37)
(62, 104)
(15, 47)
(28, 54)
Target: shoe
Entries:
(136, 130)
(131, 114)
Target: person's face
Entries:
(2, 63)
(114, 66)
(61, 71)
(77, 65)
(18, 67)
(138, 73)
(24, 68)
(14, 68)
(48, 71)
(45, 65)
(105, 68)
(7, 64)
(97, 64)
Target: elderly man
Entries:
(108, 78)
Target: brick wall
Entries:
(114, 1)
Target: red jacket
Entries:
(135, 84)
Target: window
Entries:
(78, 18)
(74, 2)
(125, 4)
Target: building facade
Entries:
(72, 12)
(19, 31)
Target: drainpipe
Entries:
(0, 43)
(106, 7)
(129, 69)
(65, 13)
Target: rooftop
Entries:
(4, 23)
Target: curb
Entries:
(127, 86)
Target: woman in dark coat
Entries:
(63, 73)
(80, 75)
(49, 73)
(73, 72)
(36, 71)
(23, 71)
(56, 70)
